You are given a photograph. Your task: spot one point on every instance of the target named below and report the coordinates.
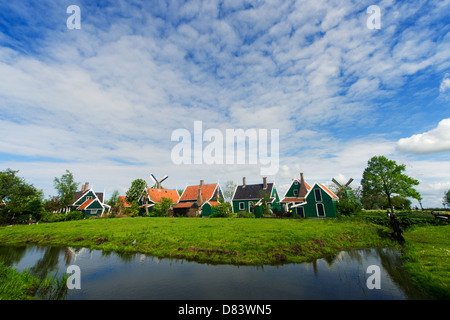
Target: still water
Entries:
(106, 275)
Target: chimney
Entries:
(85, 187)
(265, 183)
(302, 190)
(244, 183)
(199, 196)
(201, 183)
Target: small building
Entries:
(198, 200)
(296, 194)
(318, 202)
(89, 202)
(249, 197)
(152, 196)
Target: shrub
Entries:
(74, 215)
(347, 207)
(243, 214)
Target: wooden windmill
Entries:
(158, 182)
(345, 190)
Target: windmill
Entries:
(345, 190)
(158, 183)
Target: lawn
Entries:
(220, 240)
(427, 258)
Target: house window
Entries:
(88, 198)
(241, 206)
(317, 194)
(296, 182)
(320, 210)
(295, 192)
(94, 211)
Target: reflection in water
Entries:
(108, 275)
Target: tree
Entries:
(66, 187)
(446, 200)
(161, 209)
(384, 176)
(134, 193)
(222, 209)
(19, 197)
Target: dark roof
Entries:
(251, 191)
(78, 194)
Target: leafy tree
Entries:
(446, 200)
(223, 209)
(113, 200)
(52, 204)
(19, 197)
(348, 207)
(134, 193)
(161, 209)
(265, 200)
(386, 177)
(66, 187)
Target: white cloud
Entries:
(445, 84)
(433, 141)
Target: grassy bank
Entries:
(427, 258)
(234, 241)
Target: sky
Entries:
(102, 101)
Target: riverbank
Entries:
(215, 241)
(427, 258)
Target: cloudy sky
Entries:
(102, 101)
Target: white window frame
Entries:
(317, 210)
(295, 192)
(320, 195)
(241, 205)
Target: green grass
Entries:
(427, 258)
(15, 285)
(231, 241)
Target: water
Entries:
(135, 276)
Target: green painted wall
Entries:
(295, 185)
(311, 208)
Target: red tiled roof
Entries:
(156, 195)
(329, 192)
(181, 205)
(123, 201)
(85, 204)
(213, 203)
(306, 184)
(191, 192)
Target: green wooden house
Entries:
(248, 197)
(89, 202)
(296, 194)
(198, 200)
(319, 202)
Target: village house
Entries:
(198, 200)
(89, 202)
(152, 196)
(310, 202)
(248, 197)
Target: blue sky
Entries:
(103, 101)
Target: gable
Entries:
(88, 194)
(294, 189)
